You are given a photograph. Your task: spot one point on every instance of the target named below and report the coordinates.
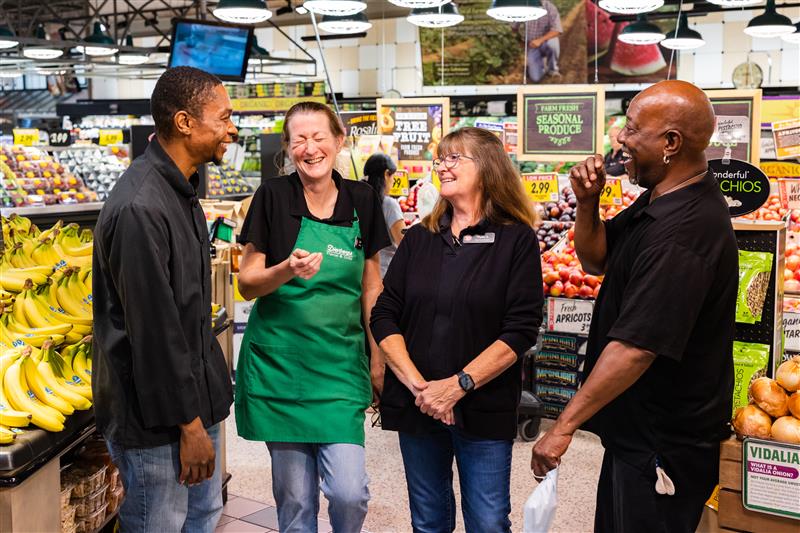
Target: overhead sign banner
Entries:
(780, 169)
(255, 105)
(738, 126)
(744, 186)
(417, 124)
(560, 125)
(358, 123)
(787, 138)
(771, 477)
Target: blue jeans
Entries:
(484, 469)
(155, 501)
(300, 470)
(548, 52)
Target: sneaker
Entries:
(554, 74)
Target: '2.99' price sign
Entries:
(399, 184)
(612, 192)
(26, 136)
(541, 187)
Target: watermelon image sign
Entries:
(566, 125)
(738, 125)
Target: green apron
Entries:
(302, 374)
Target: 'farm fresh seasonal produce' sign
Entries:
(771, 477)
(560, 126)
(744, 186)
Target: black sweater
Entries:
(451, 302)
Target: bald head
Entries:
(681, 106)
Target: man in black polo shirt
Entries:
(161, 384)
(659, 358)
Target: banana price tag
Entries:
(541, 187)
(612, 192)
(399, 184)
(109, 137)
(26, 136)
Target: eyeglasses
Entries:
(450, 161)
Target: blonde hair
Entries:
(335, 125)
(503, 198)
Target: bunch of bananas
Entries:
(45, 305)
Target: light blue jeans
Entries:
(299, 471)
(537, 57)
(155, 501)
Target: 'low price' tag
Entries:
(26, 137)
(399, 184)
(541, 187)
(612, 192)
(108, 137)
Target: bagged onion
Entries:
(751, 421)
(794, 404)
(786, 429)
(770, 397)
(788, 374)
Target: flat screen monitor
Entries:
(221, 49)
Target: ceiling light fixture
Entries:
(436, 17)
(641, 32)
(683, 37)
(98, 43)
(346, 25)
(516, 10)
(336, 8)
(418, 4)
(132, 58)
(242, 11)
(7, 38)
(769, 24)
(735, 3)
(793, 37)
(630, 7)
(41, 51)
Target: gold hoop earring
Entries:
(665, 159)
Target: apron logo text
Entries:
(339, 253)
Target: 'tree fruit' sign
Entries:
(771, 477)
(744, 186)
(738, 125)
(560, 127)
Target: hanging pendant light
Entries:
(443, 16)
(769, 24)
(516, 10)
(793, 38)
(98, 43)
(641, 32)
(132, 58)
(258, 55)
(7, 38)
(630, 7)
(418, 4)
(242, 11)
(683, 37)
(345, 25)
(735, 3)
(337, 8)
(41, 51)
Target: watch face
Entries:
(747, 76)
(466, 383)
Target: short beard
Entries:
(216, 160)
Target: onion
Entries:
(794, 404)
(770, 396)
(788, 375)
(786, 429)
(751, 421)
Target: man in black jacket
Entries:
(161, 385)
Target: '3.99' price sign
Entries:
(612, 192)
(541, 187)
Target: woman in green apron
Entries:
(303, 378)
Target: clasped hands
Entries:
(438, 398)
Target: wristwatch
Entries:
(465, 381)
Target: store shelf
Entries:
(56, 209)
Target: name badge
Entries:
(486, 238)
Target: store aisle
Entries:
(248, 462)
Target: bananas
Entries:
(22, 398)
(6, 435)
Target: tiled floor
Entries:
(241, 515)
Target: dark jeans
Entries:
(627, 501)
(484, 469)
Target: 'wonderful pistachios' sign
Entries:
(771, 478)
(744, 186)
(560, 126)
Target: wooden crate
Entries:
(732, 514)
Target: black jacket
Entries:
(156, 362)
(452, 302)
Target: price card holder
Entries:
(790, 193)
(541, 187)
(612, 192)
(59, 138)
(109, 137)
(26, 136)
(399, 184)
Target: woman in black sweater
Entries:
(462, 301)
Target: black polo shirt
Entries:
(670, 288)
(450, 302)
(279, 205)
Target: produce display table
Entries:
(732, 514)
(30, 474)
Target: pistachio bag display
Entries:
(750, 361)
(755, 269)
